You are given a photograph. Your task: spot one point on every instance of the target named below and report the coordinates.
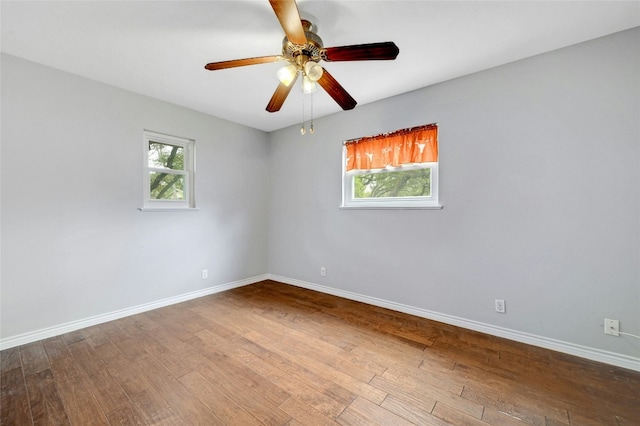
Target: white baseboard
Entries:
(57, 330)
(611, 358)
(624, 361)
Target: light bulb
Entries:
(313, 70)
(308, 85)
(287, 74)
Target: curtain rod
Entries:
(410, 129)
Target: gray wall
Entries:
(540, 184)
(74, 245)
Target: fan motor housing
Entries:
(312, 49)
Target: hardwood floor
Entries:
(274, 354)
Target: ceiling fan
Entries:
(302, 48)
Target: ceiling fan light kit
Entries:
(303, 49)
(313, 71)
(287, 74)
(308, 85)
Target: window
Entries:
(393, 170)
(168, 172)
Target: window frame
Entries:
(418, 202)
(188, 145)
(422, 202)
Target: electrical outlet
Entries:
(323, 271)
(205, 274)
(501, 306)
(611, 327)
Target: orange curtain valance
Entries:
(407, 146)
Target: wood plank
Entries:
(137, 326)
(10, 359)
(226, 409)
(45, 401)
(420, 377)
(109, 393)
(510, 397)
(418, 412)
(562, 384)
(582, 420)
(181, 401)
(166, 417)
(498, 418)
(142, 394)
(278, 371)
(34, 358)
(95, 335)
(363, 411)
(178, 320)
(454, 416)
(79, 403)
(421, 391)
(554, 422)
(127, 414)
(134, 347)
(502, 401)
(305, 414)
(288, 362)
(167, 348)
(86, 357)
(218, 355)
(251, 401)
(13, 394)
(112, 332)
(62, 363)
(73, 337)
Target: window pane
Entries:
(165, 186)
(166, 156)
(409, 183)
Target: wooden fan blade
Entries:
(289, 17)
(242, 62)
(362, 52)
(336, 91)
(280, 95)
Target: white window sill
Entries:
(381, 207)
(168, 209)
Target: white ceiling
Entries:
(159, 48)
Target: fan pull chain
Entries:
(311, 125)
(302, 130)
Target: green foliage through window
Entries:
(166, 185)
(165, 156)
(406, 183)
